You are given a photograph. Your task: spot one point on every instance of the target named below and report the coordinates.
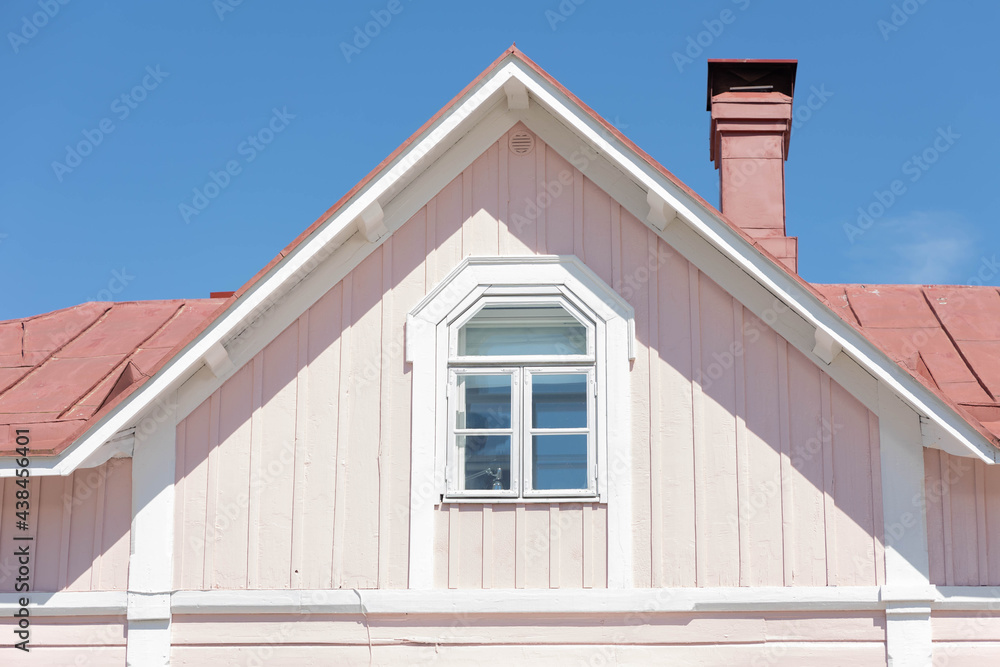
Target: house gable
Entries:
(307, 448)
(773, 447)
(442, 148)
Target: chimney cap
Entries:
(728, 74)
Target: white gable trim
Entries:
(956, 435)
(767, 273)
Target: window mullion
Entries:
(526, 433)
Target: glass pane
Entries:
(522, 330)
(559, 401)
(487, 462)
(559, 461)
(483, 401)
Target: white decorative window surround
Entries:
(520, 394)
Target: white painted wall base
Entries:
(907, 595)
(151, 564)
(908, 635)
(146, 647)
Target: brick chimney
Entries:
(751, 105)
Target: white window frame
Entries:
(590, 431)
(513, 300)
(510, 296)
(428, 348)
(520, 433)
(456, 462)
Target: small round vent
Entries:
(521, 143)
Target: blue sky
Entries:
(210, 74)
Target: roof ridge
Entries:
(100, 318)
(120, 368)
(111, 304)
(51, 312)
(909, 285)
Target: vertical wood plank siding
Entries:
(750, 466)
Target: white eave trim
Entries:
(667, 196)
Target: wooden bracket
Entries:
(660, 213)
(371, 223)
(826, 347)
(517, 94)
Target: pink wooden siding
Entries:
(81, 528)
(751, 467)
(963, 520)
(774, 639)
(536, 545)
(91, 641)
(964, 638)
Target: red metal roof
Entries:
(60, 369)
(947, 336)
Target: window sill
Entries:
(533, 500)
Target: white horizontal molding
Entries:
(66, 603)
(588, 601)
(148, 606)
(592, 601)
(966, 598)
(502, 601)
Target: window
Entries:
(521, 395)
(520, 389)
